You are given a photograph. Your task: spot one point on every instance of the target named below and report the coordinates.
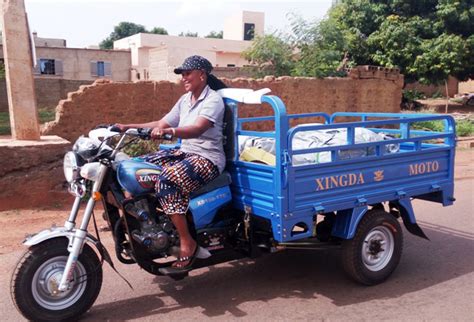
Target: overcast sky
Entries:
(87, 22)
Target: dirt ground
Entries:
(438, 105)
(20, 222)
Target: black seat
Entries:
(221, 181)
(224, 178)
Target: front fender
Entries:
(55, 232)
(59, 232)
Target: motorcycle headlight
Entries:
(90, 171)
(86, 147)
(71, 166)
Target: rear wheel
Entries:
(375, 251)
(36, 279)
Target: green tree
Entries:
(159, 31)
(427, 39)
(321, 45)
(215, 34)
(122, 30)
(188, 34)
(271, 55)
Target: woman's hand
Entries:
(158, 133)
(121, 127)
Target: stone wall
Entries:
(108, 102)
(31, 173)
(48, 91)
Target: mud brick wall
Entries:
(48, 91)
(108, 102)
(31, 173)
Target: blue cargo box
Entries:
(291, 196)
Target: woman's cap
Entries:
(194, 63)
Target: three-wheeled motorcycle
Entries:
(252, 208)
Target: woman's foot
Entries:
(187, 255)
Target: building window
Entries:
(230, 65)
(101, 68)
(47, 67)
(249, 31)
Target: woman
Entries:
(197, 118)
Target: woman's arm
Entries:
(185, 132)
(161, 124)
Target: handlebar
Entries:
(142, 133)
(145, 133)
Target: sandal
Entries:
(173, 270)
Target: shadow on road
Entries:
(301, 275)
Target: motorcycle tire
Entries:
(37, 276)
(375, 251)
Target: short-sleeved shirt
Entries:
(210, 106)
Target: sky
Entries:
(87, 22)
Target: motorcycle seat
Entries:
(221, 181)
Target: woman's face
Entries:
(192, 79)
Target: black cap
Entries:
(194, 63)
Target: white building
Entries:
(154, 57)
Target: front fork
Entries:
(79, 238)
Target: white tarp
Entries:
(321, 138)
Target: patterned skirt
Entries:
(183, 173)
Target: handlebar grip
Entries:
(168, 137)
(145, 133)
(114, 128)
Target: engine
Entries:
(157, 233)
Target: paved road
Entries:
(434, 281)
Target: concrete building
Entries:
(56, 61)
(244, 25)
(153, 57)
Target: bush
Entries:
(409, 96)
(140, 148)
(464, 128)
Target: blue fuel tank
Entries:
(137, 177)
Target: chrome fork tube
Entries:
(75, 247)
(71, 221)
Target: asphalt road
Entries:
(434, 281)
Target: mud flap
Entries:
(408, 216)
(106, 256)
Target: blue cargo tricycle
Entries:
(343, 182)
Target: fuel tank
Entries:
(137, 177)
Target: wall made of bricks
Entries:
(48, 91)
(108, 102)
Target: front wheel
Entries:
(375, 251)
(36, 279)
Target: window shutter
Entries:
(37, 68)
(94, 68)
(107, 69)
(58, 67)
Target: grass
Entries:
(45, 115)
(464, 127)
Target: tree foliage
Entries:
(126, 29)
(271, 55)
(188, 34)
(427, 39)
(159, 31)
(215, 34)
